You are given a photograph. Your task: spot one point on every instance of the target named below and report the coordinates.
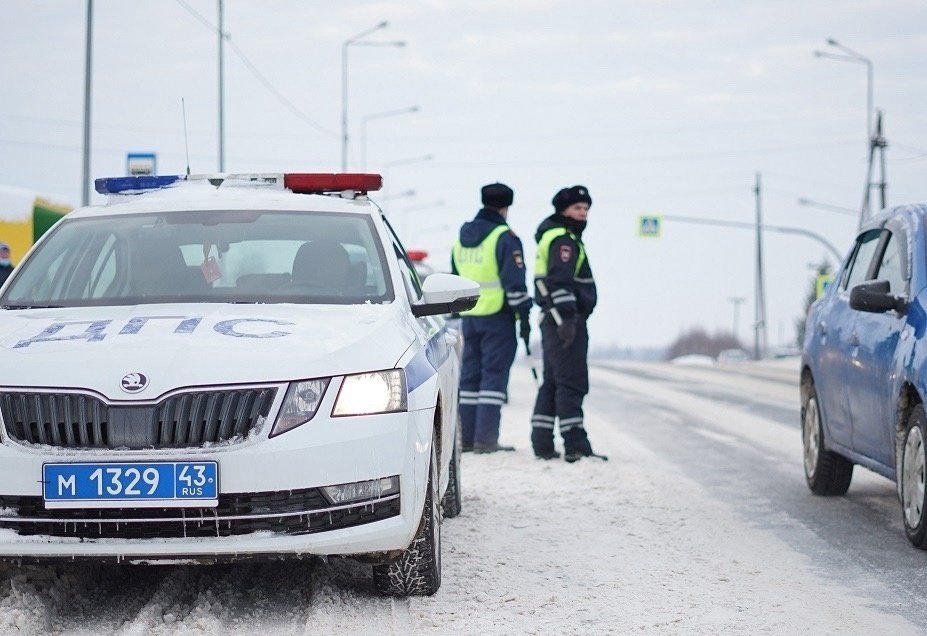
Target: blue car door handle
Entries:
(854, 340)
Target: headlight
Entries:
(300, 404)
(369, 393)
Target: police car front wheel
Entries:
(417, 571)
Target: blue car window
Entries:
(890, 267)
(862, 258)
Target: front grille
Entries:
(190, 419)
(194, 419)
(287, 512)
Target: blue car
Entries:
(864, 366)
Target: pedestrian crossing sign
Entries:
(821, 284)
(649, 226)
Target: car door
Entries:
(834, 333)
(438, 343)
(875, 337)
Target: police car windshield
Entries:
(208, 256)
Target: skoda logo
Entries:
(134, 382)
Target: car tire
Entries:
(912, 477)
(826, 472)
(452, 502)
(417, 571)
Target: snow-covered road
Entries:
(700, 524)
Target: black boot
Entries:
(578, 449)
(542, 441)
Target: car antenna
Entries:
(186, 144)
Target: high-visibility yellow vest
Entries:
(541, 262)
(479, 265)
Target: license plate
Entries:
(131, 485)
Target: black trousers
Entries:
(560, 398)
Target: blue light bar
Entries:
(116, 185)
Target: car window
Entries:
(213, 256)
(890, 267)
(413, 284)
(409, 273)
(859, 265)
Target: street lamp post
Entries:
(392, 164)
(356, 40)
(418, 208)
(849, 55)
(221, 93)
(826, 206)
(743, 225)
(88, 71)
(366, 118)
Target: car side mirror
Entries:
(876, 297)
(446, 294)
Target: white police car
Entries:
(230, 367)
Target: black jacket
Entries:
(571, 292)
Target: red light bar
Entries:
(417, 255)
(316, 183)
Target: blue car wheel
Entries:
(911, 477)
(826, 472)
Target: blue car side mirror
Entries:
(876, 297)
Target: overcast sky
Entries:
(657, 107)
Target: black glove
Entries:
(567, 332)
(524, 328)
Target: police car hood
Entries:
(180, 345)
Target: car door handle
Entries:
(854, 340)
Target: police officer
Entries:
(566, 292)
(6, 266)
(489, 253)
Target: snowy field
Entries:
(700, 524)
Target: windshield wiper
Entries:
(31, 306)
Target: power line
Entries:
(147, 129)
(276, 161)
(266, 82)
(199, 16)
(654, 158)
(256, 72)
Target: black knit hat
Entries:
(568, 196)
(497, 195)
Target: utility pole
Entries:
(759, 337)
(221, 94)
(877, 143)
(882, 145)
(88, 69)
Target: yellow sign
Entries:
(822, 283)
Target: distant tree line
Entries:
(698, 341)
